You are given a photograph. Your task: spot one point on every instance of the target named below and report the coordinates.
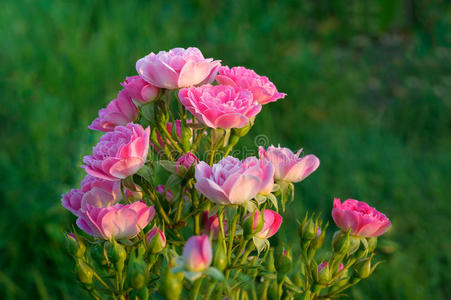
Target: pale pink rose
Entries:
(156, 233)
(197, 253)
(227, 182)
(139, 90)
(72, 201)
(177, 68)
(160, 190)
(185, 162)
(272, 222)
(211, 224)
(119, 111)
(264, 91)
(99, 192)
(118, 221)
(362, 219)
(263, 169)
(288, 165)
(220, 106)
(119, 153)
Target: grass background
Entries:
(368, 86)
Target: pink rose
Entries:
(220, 106)
(227, 182)
(362, 219)
(211, 224)
(119, 153)
(99, 192)
(118, 221)
(288, 165)
(272, 222)
(264, 170)
(139, 90)
(264, 91)
(197, 253)
(177, 68)
(72, 201)
(160, 190)
(120, 111)
(156, 240)
(185, 162)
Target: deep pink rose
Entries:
(139, 90)
(272, 223)
(119, 111)
(177, 68)
(264, 91)
(185, 162)
(211, 224)
(72, 201)
(263, 169)
(119, 153)
(156, 233)
(118, 221)
(362, 219)
(227, 182)
(197, 253)
(220, 106)
(288, 165)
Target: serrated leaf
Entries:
(148, 112)
(146, 173)
(168, 165)
(230, 212)
(215, 273)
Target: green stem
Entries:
(105, 285)
(180, 205)
(232, 236)
(196, 289)
(221, 226)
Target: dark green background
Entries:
(368, 86)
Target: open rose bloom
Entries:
(190, 218)
(362, 219)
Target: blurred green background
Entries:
(368, 86)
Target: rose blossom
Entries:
(197, 253)
(118, 221)
(263, 90)
(288, 165)
(264, 170)
(156, 240)
(272, 222)
(119, 111)
(139, 90)
(185, 162)
(227, 182)
(211, 224)
(177, 68)
(220, 106)
(72, 201)
(362, 219)
(99, 192)
(119, 153)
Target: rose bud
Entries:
(156, 240)
(197, 253)
(119, 153)
(323, 272)
(363, 267)
(271, 223)
(289, 166)
(76, 247)
(137, 272)
(116, 254)
(361, 219)
(220, 106)
(227, 182)
(160, 190)
(252, 224)
(171, 284)
(282, 260)
(139, 90)
(84, 272)
(211, 224)
(119, 111)
(263, 90)
(184, 163)
(118, 221)
(341, 242)
(177, 68)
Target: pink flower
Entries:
(120, 111)
(99, 192)
(72, 201)
(118, 221)
(362, 219)
(272, 223)
(197, 253)
(264, 170)
(211, 224)
(160, 190)
(220, 106)
(156, 233)
(288, 165)
(185, 162)
(263, 90)
(227, 182)
(177, 68)
(119, 153)
(139, 90)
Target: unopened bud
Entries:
(98, 254)
(317, 242)
(220, 257)
(372, 244)
(240, 132)
(171, 284)
(137, 272)
(141, 294)
(75, 246)
(340, 242)
(156, 240)
(282, 260)
(354, 244)
(323, 273)
(117, 255)
(270, 261)
(84, 272)
(187, 134)
(307, 232)
(363, 268)
(252, 224)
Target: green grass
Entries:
(368, 89)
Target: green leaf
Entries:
(260, 244)
(168, 165)
(250, 206)
(215, 273)
(173, 180)
(273, 200)
(214, 210)
(148, 112)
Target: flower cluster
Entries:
(166, 212)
